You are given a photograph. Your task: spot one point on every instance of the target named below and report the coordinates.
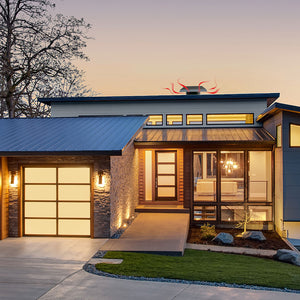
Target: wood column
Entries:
(4, 181)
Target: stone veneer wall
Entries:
(101, 195)
(124, 187)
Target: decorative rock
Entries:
(289, 256)
(224, 238)
(254, 235)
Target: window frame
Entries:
(277, 127)
(218, 203)
(186, 119)
(290, 136)
(174, 124)
(162, 120)
(230, 122)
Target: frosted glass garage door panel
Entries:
(40, 192)
(74, 175)
(74, 227)
(40, 175)
(43, 227)
(74, 210)
(40, 210)
(74, 193)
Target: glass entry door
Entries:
(165, 176)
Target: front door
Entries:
(165, 176)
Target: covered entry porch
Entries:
(220, 173)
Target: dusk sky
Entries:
(140, 46)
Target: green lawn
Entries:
(207, 266)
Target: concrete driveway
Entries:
(29, 267)
(83, 285)
(51, 268)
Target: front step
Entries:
(162, 209)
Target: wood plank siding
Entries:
(3, 198)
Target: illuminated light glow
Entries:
(119, 222)
(185, 87)
(212, 90)
(168, 90)
(101, 179)
(173, 90)
(14, 179)
(201, 83)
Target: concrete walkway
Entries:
(83, 285)
(31, 266)
(153, 232)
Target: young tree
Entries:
(36, 50)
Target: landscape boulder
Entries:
(289, 256)
(224, 238)
(254, 235)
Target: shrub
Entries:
(208, 232)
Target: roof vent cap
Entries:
(193, 90)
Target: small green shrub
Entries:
(208, 232)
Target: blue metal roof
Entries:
(275, 107)
(254, 96)
(88, 135)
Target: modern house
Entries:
(86, 170)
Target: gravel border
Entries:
(92, 269)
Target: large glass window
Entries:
(174, 119)
(205, 213)
(232, 213)
(219, 185)
(260, 213)
(278, 136)
(232, 176)
(205, 171)
(194, 119)
(259, 183)
(294, 135)
(155, 120)
(214, 119)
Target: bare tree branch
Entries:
(35, 53)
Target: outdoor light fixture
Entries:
(13, 180)
(101, 179)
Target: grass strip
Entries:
(206, 266)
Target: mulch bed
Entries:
(273, 240)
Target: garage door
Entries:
(57, 201)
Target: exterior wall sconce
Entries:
(101, 179)
(13, 178)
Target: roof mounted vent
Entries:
(193, 90)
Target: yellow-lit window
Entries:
(194, 119)
(155, 120)
(174, 119)
(278, 136)
(294, 135)
(229, 119)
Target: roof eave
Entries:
(60, 153)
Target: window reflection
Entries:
(205, 171)
(232, 176)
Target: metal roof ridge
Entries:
(153, 97)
